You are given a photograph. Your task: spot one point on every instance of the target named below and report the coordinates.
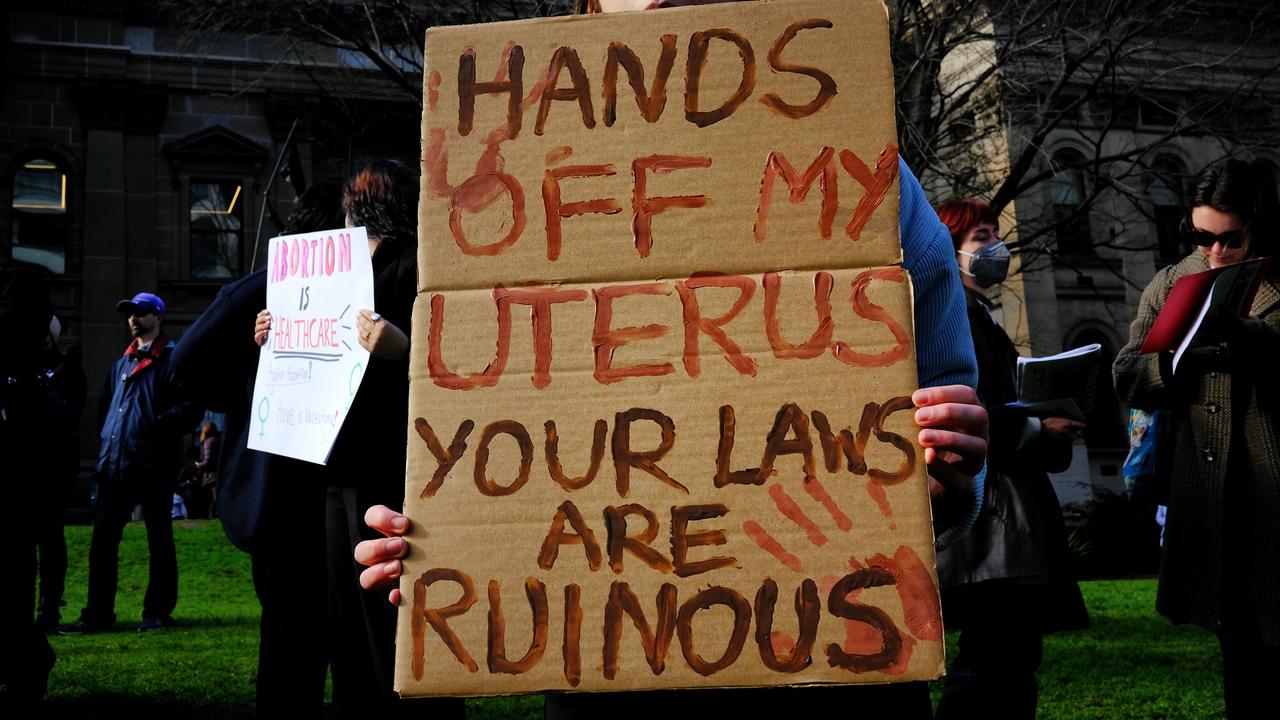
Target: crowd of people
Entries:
(1002, 562)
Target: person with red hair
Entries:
(1004, 583)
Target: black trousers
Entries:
(1248, 669)
(993, 674)
(25, 655)
(362, 625)
(116, 498)
(52, 545)
(289, 579)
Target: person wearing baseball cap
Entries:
(143, 420)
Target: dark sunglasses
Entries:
(1232, 239)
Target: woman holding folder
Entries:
(1221, 564)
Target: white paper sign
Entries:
(312, 364)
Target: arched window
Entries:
(1167, 191)
(1067, 196)
(216, 231)
(40, 213)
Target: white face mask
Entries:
(989, 265)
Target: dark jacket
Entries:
(141, 415)
(1020, 535)
(1221, 554)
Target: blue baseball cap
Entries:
(143, 302)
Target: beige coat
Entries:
(1222, 543)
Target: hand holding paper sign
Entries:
(380, 336)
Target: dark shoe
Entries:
(159, 623)
(82, 627)
(47, 621)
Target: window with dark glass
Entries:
(39, 231)
(216, 230)
(1067, 197)
(1168, 199)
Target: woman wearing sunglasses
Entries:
(1221, 564)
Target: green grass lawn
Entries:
(1130, 664)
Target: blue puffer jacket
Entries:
(141, 416)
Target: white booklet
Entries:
(1059, 385)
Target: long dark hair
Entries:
(383, 197)
(1249, 191)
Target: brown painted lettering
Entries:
(655, 641)
(552, 451)
(875, 183)
(484, 483)
(572, 649)
(821, 337)
(724, 455)
(624, 458)
(468, 88)
(644, 207)
(877, 619)
(908, 449)
(605, 338)
(863, 307)
(477, 193)
(650, 102)
(682, 539)
(853, 448)
(556, 536)
(441, 375)
(695, 322)
(557, 210)
(536, 592)
(566, 58)
(789, 418)
(822, 170)
(539, 301)
(697, 61)
(826, 84)
(741, 624)
(445, 459)
(615, 519)
(807, 612)
(438, 618)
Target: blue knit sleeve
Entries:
(944, 345)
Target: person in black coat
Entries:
(271, 506)
(1006, 582)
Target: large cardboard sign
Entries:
(661, 433)
(312, 365)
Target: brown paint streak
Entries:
(821, 337)
(438, 618)
(555, 155)
(441, 375)
(916, 589)
(682, 539)
(557, 210)
(864, 308)
(539, 301)
(572, 649)
(468, 88)
(478, 192)
(697, 61)
(644, 207)
(556, 469)
(695, 322)
(705, 598)
(822, 170)
(797, 656)
(433, 90)
(819, 493)
(536, 592)
(566, 58)
(908, 449)
(624, 458)
(766, 542)
(890, 647)
(877, 494)
(605, 339)
(486, 485)
(615, 519)
(875, 183)
(826, 84)
(724, 455)
(445, 459)
(556, 536)
(788, 507)
(650, 102)
(655, 641)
